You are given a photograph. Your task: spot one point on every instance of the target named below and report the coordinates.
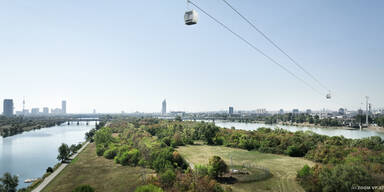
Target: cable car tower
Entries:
(190, 16)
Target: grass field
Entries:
(102, 174)
(283, 168)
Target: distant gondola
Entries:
(190, 17)
(328, 96)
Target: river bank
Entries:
(10, 126)
(30, 153)
(371, 127)
(347, 132)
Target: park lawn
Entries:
(283, 168)
(100, 173)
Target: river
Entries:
(29, 154)
(347, 133)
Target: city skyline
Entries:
(105, 58)
(164, 109)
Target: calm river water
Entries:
(353, 134)
(29, 154)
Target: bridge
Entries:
(79, 120)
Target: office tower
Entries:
(230, 110)
(64, 107)
(8, 107)
(35, 111)
(164, 107)
(46, 110)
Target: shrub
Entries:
(110, 153)
(344, 177)
(148, 188)
(100, 149)
(295, 151)
(128, 157)
(84, 188)
(217, 167)
(304, 172)
(49, 170)
(167, 178)
(201, 170)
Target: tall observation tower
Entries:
(164, 107)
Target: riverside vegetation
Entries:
(14, 125)
(301, 118)
(341, 163)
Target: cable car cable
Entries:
(255, 48)
(275, 45)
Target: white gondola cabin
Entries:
(190, 17)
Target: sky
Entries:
(121, 55)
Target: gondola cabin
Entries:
(328, 96)
(190, 17)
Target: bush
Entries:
(217, 167)
(49, 170)
(167, 178)
(100, 149)
(73, 148)
(201, 170)
(110, 153)
(304, 172)
(295, 151)
(344, 177)
(84, 188)
(148, 188)
(128, 157)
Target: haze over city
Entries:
(130, 55)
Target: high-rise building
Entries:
(164, 107)
(261, 111)
(64, 107)
(309, 111)
(35, 111)
(281, 111)
(295, 111)
(46, 110)
(8, 107)
(56, 111)
(230, 110)
(25, 111)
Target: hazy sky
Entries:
(130, 55)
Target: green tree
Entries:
(343, 177)
(209, 132)
(73, 148)
(217, 167)
(64, 152)
(9, 183)
(167, 178)
(178, 118)
(104, 136)
(49, 170)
